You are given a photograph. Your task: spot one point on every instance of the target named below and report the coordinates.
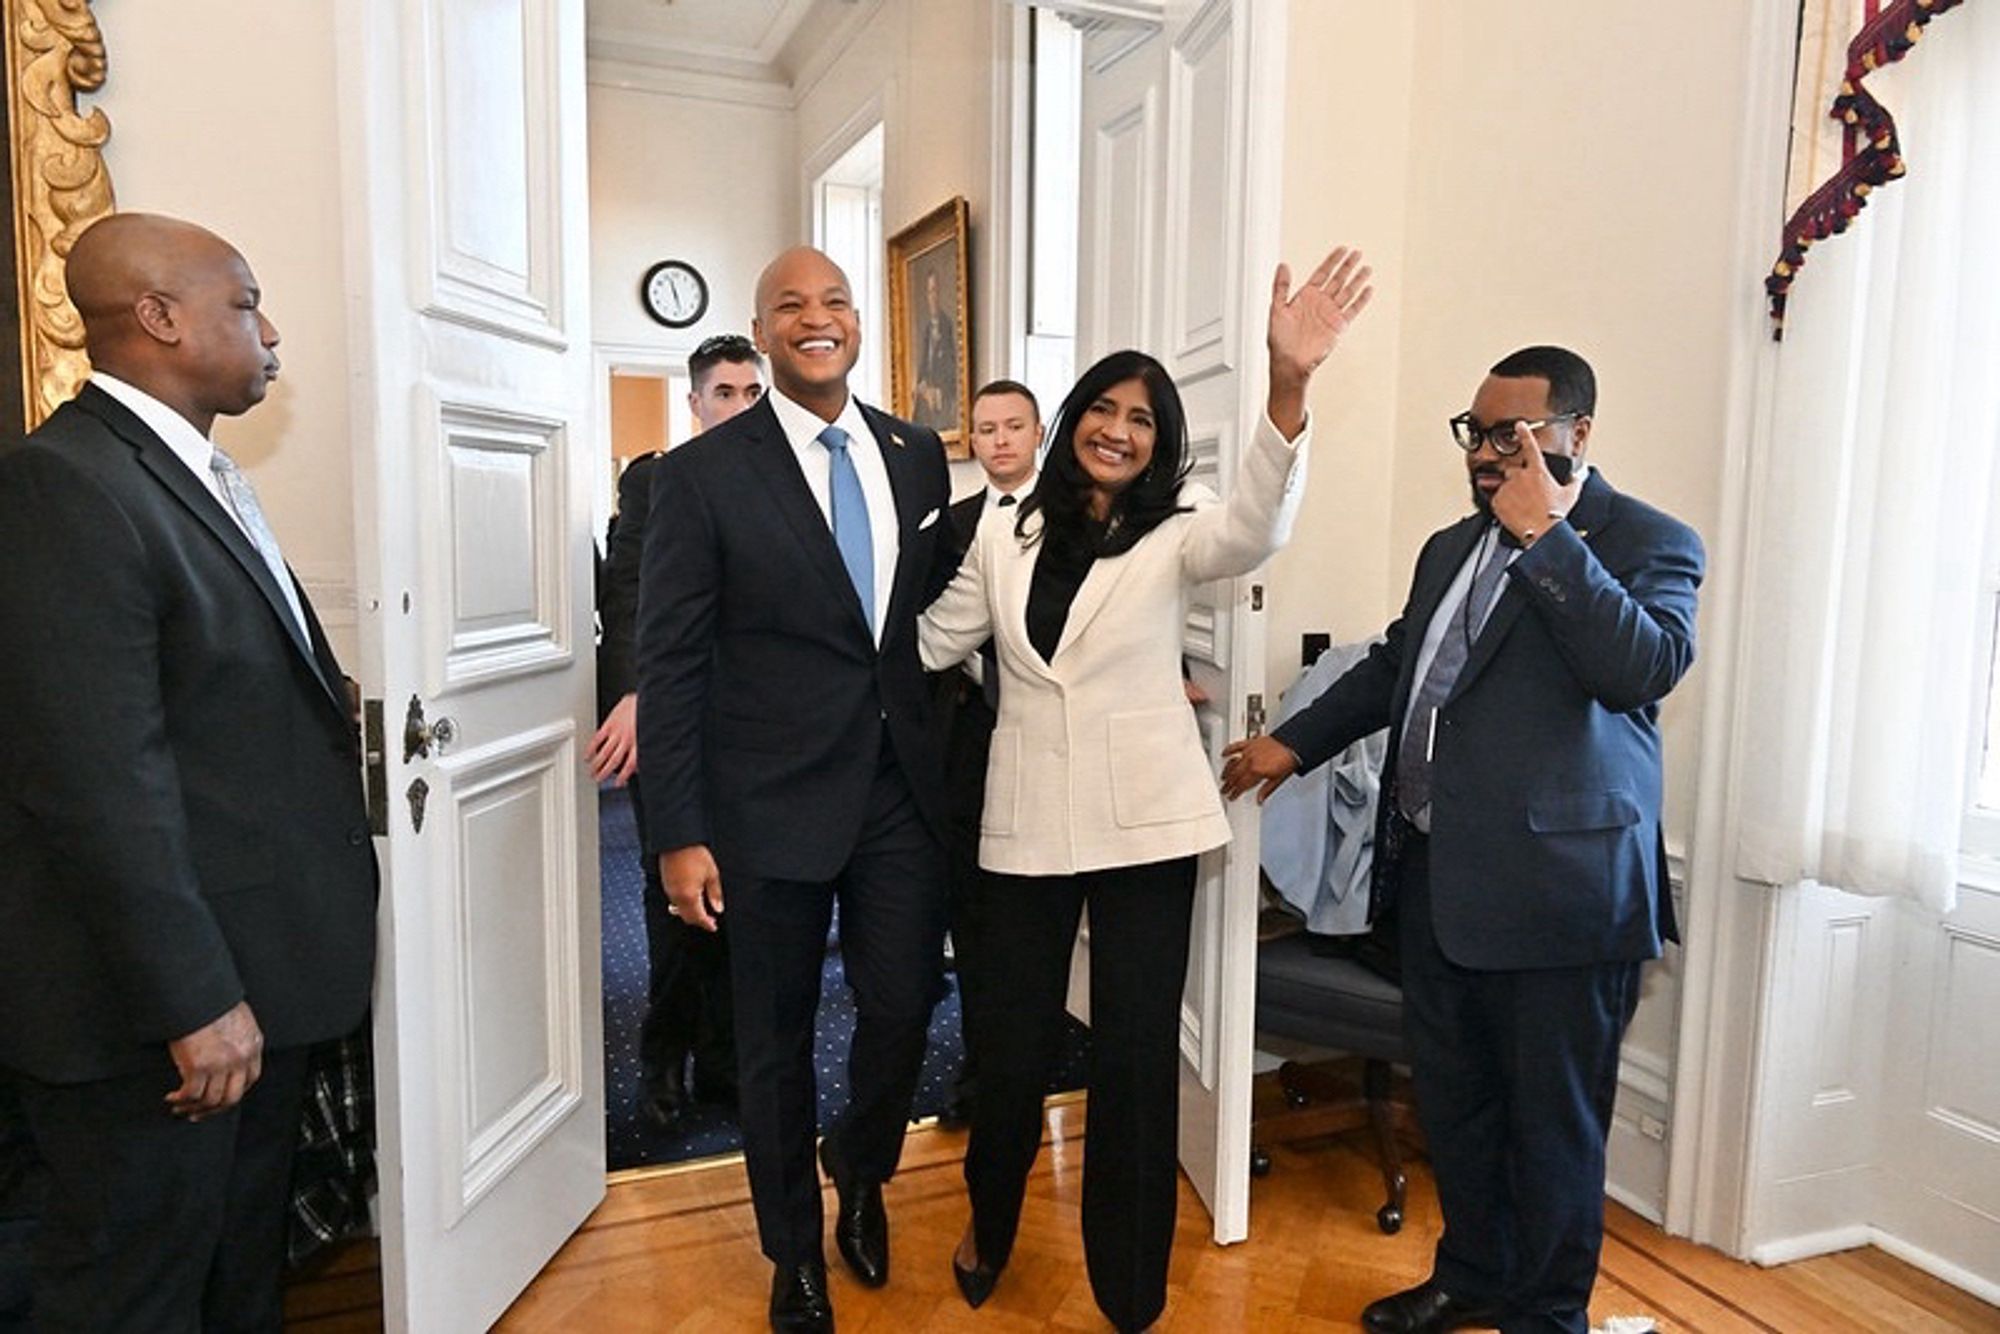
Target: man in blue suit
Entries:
(788, 760)
(1519, 841)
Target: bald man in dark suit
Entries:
(187, 885)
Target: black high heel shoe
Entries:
(975, 1284)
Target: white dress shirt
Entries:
(975, 664)
(197, 451)
(802, 426)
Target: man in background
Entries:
(1518, 839)
(688, 1012)
(187, 884)
(1006, 434)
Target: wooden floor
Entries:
(677, 1251)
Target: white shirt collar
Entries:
(1020, 492)
(190, 446)
(802, 425)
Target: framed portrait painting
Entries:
(930, 353)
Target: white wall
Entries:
(674, 176)
(925, 66)
(224, 113)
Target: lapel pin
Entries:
(895, 440)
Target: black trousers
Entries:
(688, 1006)
(892, 921)
(968, 742)
(1515, 1073)
(156, 1225)
(1139, 918)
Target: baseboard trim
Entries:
(1785, 1250)
(1647, 1209)
(1980, 1286)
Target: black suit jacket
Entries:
(1545, 840)
(618, 598)
(763, 698)
(963, 720)
(181, 821)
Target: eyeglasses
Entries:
(1468, 434)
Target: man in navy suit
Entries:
(1519, 841)
(787, 758)
(187, 884)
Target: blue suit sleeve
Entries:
(1628, 636)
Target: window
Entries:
(1054, 181)
(847, 225)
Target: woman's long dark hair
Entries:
(1062, 496)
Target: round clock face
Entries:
(674, 294)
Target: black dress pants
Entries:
(1139, 918)
(892, 919)
(688, 1008)
(156, 1225)
(1515, 1072)
(968, 742)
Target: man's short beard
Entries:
(1480, 500)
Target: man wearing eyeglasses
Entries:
(688, 1012)
(1520, 850)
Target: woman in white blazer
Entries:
(1098, 790)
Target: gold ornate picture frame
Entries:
(54, 53)
(930, 352)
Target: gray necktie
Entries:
(1413, 754)
(250, 518)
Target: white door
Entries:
(1179, 203)
(463, 161)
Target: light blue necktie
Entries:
(1413, 756)
(850, 522)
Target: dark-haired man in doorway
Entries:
(1519, 840)
(688, 1015)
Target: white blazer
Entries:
(1097, 760)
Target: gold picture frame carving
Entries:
(54, 52)
(930, 323)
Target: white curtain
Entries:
(1872, 494)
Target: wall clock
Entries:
(674, 293)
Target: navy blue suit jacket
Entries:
(1545, 841)
(763, 696)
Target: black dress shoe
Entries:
(799, 1301)
(975, 1284)
(1426, 1309)
(861, 1228)
(663, 1099)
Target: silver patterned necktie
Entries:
(242, 501)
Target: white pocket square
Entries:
(928, 520)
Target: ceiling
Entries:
(728, 36)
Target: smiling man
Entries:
(785, 759)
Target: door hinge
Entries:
(374, 767)
(1256, 597)
(1253, 715)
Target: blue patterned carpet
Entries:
(635, 1142)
